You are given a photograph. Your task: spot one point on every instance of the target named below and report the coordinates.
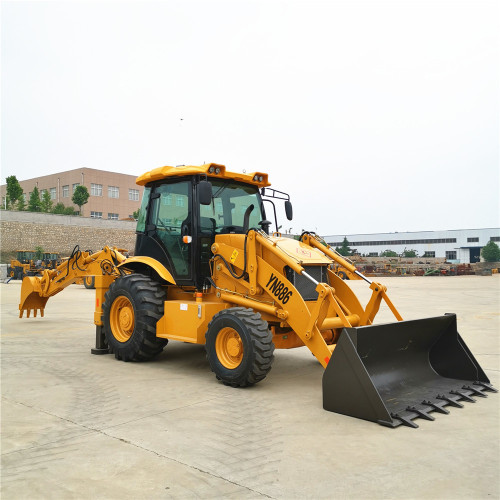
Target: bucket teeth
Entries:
(404, 420)
(437, 407)
(486, 385)
(450, 401)
(463, 395)
(476, 392)
(421, 413)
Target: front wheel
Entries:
(239, 347)
(132, 307)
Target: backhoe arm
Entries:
(36, 290)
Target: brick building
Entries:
(112, 195)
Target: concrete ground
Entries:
(75, 425)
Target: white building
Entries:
(457, 245)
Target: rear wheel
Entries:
(89, 282)
(132, 306)
(239, 347)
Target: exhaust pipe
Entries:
(394, 373)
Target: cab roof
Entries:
(212, 170)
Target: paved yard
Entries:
(75, 425)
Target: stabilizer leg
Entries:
(101, 346)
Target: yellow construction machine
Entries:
(207, 269)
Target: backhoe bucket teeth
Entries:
(30, 297)
(397, 372)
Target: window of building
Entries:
(96, 189)
(75, 186)
(113, 192)
(76, 212)
(112, 216)
(65, 191)
(166, 199)
(472, 240)
(179, 201)
(429, 254)
(495, 238)
(451, 255)
(53, 193)
(373, 254)
(133, 194)
(42, 192)
(96, 215)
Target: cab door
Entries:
(169, 219)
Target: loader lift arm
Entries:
(36, 291)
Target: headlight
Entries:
(211, 170)
(217, 170)
(261, 178)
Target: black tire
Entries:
(254, 345)
(138, 297)
(19, 274)
(342, 275)
(89, 282)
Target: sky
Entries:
(375, 116)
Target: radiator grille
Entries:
(305, 286)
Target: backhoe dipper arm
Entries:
(36, 290)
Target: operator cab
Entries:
(178, 231)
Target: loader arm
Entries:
(36, 290)
(267, 289)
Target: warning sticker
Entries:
(233, 256)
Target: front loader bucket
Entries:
(394, 373)
(30, 297)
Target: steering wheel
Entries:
(264, 224)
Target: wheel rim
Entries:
(88, 281)
(229, 348)
(122, 319)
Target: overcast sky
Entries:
(376, 116)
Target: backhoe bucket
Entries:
(394, 373)
(30, 297)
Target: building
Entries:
(112, 195)
(460, 245)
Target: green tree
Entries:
(388, 253)
(59, 208)
(34, 204)
(21, 204)
(344, 249)
(80, 197)
(491, 252)
(409, 253)
(69, 211)
(46, 203)
(135, 214)
(14, 190)
(38, 253)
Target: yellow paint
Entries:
(229, 348)
(187, 320)
(167, 171)
(234, 255)
(149, 261)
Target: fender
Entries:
(150, 262)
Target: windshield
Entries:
(230, 201)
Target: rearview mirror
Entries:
(205, 192)
(288, 210)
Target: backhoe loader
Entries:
(208, 270)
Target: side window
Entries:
(141, 220)
(172, 217)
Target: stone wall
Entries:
(60, 233)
